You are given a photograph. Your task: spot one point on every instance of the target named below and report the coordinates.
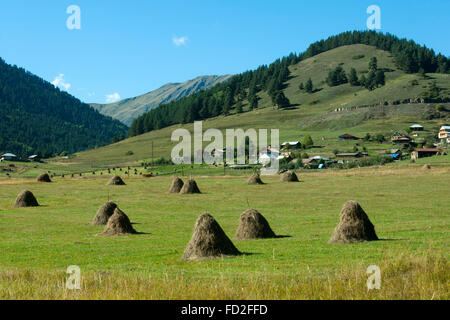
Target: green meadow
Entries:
(408, 205)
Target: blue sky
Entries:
(127, 48)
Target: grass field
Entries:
(409, 207)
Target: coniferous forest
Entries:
(37, 118)
(408, 55)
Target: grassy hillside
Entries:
(313, 114)
(129, 109)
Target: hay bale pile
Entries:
(44, 178)
(176, 186)
(190, 187)
(354, 225)
(104, 213)
(289, 176)
(253, 225)
(118, 225)
(255, 179)
(208, 241)
(26, 199)
(116, 181)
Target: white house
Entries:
(9, 157)
(265, 156)
(416, 127)
(444, 133)
(291, 145)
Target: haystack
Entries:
(354, 225)
(26, 199)
(177, 185)
(116, 181)
(190, 187)
(253, 225)
(426, 167)
(118, 225)
(44, 178)
(255, 179)
(104, 213)
(209, 241)
(289, 176)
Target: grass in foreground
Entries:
(404, 277)
(408, 206)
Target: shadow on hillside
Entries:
(292, 107)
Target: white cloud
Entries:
(60, 83)
(180, 41)
(110, 98)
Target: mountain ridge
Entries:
(128, 109)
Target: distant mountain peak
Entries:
(128, 109)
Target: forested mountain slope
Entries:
(37, 117)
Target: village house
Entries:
(315, 162)
(291, 145)
(9, 157)
(416, 127)
(444, 133)
(266, 155)
(401, 138)
(424, 152)
(34, 158)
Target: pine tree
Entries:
(239, 108)
(370, 83)
(373, 64)
(336, 77)
(353, 77)
(380, 78)
(281, 100)
(363, 80)
(253, 100)
(309, 87)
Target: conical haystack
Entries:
(253, 225)
(26, 199)
(118, 225)
(44, 178)
(190, 187)
(289, 176)
(209, 241)
(116, 181)
(104, 213)
(176, 186)
(426, 167)
(354, 225)
(255, 179)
